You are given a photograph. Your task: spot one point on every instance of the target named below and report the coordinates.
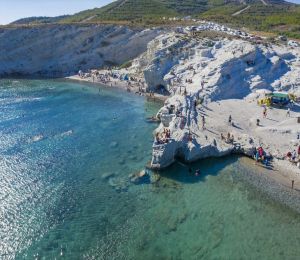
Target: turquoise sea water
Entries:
(66, 150)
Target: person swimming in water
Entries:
(197, 172)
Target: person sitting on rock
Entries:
(256, 156)
(168, 133)
(228, 138)
(190, 137)
(157, 138)
(222, 137)
(260, 152)
(289, 155)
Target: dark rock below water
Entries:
(154, 178)
(141, 177)
(118, 184)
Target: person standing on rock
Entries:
(185, 92)
(203, 123)
(288, 113)
(265, 112)
(230, 119)
(190, 137)
(195, 104)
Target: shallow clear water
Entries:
(66, 150)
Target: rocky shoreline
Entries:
(211, 87)
(243, 143)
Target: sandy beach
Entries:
(276, 133)
(112, 82)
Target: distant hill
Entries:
(267, 15)
(40, 20)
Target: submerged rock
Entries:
(154, 178)
(119, 184)
(141, 177)
(107, 175)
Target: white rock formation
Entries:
(225, 68)
(60, 50)
(212, 70)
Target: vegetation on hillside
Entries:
(40, 20)
(277, 16)
(281, 19)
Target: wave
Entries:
(9, 101)
(67, 133)
(37, 138)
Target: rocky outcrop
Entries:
(61, 50)
(188, 141)
(197, 71)
(224, 68)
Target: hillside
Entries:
(264, 15)
(40, 20)
(137, 9)
(278, 17)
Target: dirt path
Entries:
(239, 12)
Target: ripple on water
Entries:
(69, 194)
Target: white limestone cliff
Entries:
(61, 50)
(211, 71)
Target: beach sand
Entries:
(121, 84)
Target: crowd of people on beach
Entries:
(292, 156)
(110, 77)
(164, 137)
